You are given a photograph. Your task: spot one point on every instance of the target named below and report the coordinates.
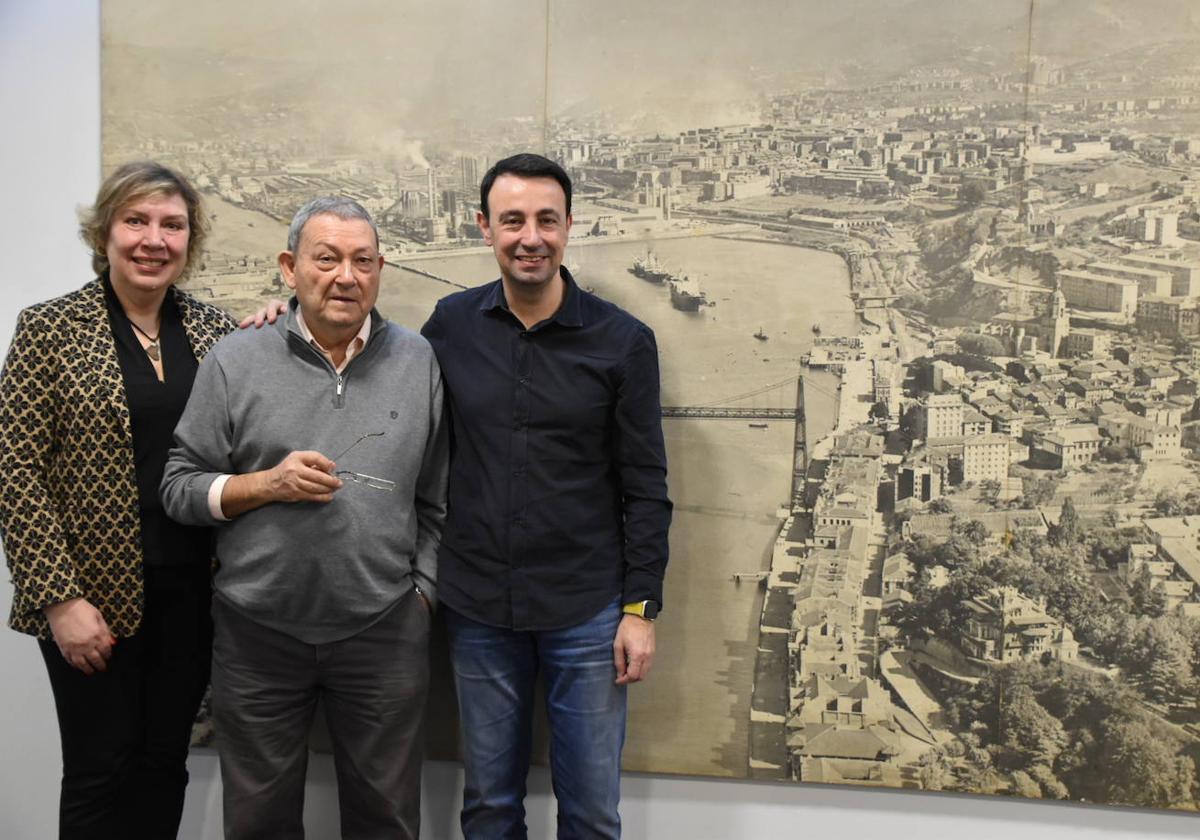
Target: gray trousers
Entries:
(373, 684)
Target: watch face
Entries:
(650, 610)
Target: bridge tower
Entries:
(799, 450)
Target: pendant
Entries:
(152, 350)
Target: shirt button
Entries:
(524, 380)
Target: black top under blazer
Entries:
(68, 489)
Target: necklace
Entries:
(152, 348)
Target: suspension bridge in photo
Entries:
(782, 400)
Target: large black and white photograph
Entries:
(925, 282)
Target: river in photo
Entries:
(728, 479)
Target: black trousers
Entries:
(125, 731)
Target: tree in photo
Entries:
(1038, 491)
(980, 345)
(1141, 768)
(1029, 734)
(989, 490)
(1067, 529)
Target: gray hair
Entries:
(337, 205)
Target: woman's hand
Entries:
(267, 315)
(81, 634)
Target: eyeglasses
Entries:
(368, 480)
(363, 478)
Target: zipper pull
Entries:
(341, 383)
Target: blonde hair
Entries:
(132, 182)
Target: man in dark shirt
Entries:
(554, 550)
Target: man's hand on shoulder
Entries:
(303, 476)
(267, 315)
(633, 649)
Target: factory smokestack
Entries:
(432, 195)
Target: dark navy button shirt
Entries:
(558, 495)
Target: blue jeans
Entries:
(494, 673)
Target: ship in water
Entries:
(649, 268)
(684, 295)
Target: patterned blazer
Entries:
(68, 492)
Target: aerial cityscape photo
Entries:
(925, 280)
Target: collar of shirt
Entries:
(352, 349)
(569, 313)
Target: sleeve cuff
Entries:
(642, 587)
(214, 497)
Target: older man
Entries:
(556, 545)
(318, 448)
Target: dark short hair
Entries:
(524, 165)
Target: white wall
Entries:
(49, 164)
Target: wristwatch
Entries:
(645, 609)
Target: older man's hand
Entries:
(302, 476)
(633, 649)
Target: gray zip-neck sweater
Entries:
(318, 572)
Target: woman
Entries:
(117, 594)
